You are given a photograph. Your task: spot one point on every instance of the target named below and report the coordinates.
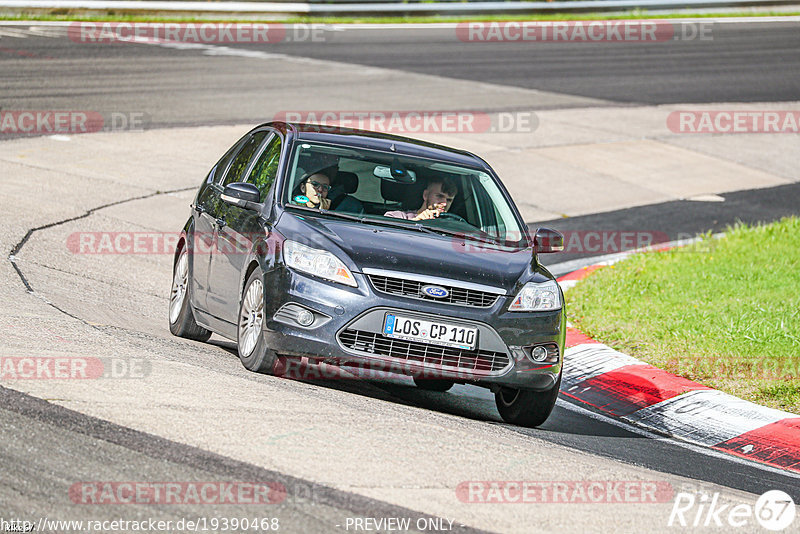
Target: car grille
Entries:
(413, 289)
(479, 361)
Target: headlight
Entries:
(317, 262)
(537, 297)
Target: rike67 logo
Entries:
(774, 510)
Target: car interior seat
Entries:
(408, 195)
(344, 185)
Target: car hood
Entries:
(395, 249)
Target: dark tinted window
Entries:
(266, 168)
(242, 159)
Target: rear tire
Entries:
(181, 316)
(526, 407)
(433, 384)
(253, 351)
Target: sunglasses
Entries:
(322, 187)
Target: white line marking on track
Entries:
(18, 34)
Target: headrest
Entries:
(410, 195)
(346, 181)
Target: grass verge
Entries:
(64, 14)
(724, 312)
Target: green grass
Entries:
(723, 312)
(67, 15)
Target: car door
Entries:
(205, 213)
(235, 230)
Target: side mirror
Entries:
(242, 194)
(547, 240)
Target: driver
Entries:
(436, 199)
(313, 191)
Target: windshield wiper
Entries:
(436, 230)
(363, 219)
(337, 214)
(395, 223)
(486, 239)
(458, 233)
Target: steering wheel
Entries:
(451, 216)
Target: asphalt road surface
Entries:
(341, 448)
(728, 63)
(740, 63)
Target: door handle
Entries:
(198, 209)
(220, 223)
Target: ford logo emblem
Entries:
(436, 292)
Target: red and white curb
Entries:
(631, 390)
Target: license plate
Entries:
(432, 332)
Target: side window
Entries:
(266, 168)
(242, 159)
(216, 173)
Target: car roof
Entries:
(377, 141)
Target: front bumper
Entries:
(339, 311)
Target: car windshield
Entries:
(384, 188)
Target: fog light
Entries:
(539, 354)
(304, 318)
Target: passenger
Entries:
(436, 199)
(313, 191)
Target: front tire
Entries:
(253, 351)
(181, 316)
(526, 407)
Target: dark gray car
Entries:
(327, 244)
